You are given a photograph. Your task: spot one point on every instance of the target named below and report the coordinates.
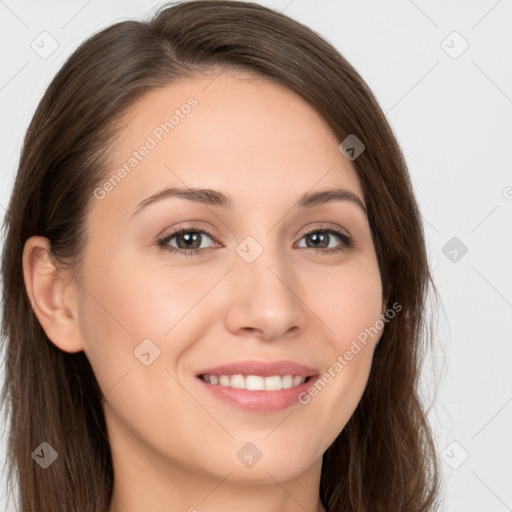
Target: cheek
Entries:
(129, 310)
(349, 300)
(136, 325)
(130, 298)
(349, 303)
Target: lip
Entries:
(264, 401)
(263, 368)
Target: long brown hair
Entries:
(384, 459)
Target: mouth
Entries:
(258, 386)
(256, 382)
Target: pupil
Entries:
(318, 236)
(190, 237)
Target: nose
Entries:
(266, 298)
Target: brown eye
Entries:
(322, 239)
(188, 241)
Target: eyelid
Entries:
(190, 227)
(187, 227)
(326, 227)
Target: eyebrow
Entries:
(211, 197)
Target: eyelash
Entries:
(347, 241)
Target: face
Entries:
(262, 279)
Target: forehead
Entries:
(228, 130)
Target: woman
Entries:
(275, 367)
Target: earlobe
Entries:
(51, 294)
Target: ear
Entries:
(52, 293)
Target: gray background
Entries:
(451, 111)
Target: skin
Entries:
(174, 445)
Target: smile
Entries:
(255, 382)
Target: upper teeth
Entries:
(255, 382)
